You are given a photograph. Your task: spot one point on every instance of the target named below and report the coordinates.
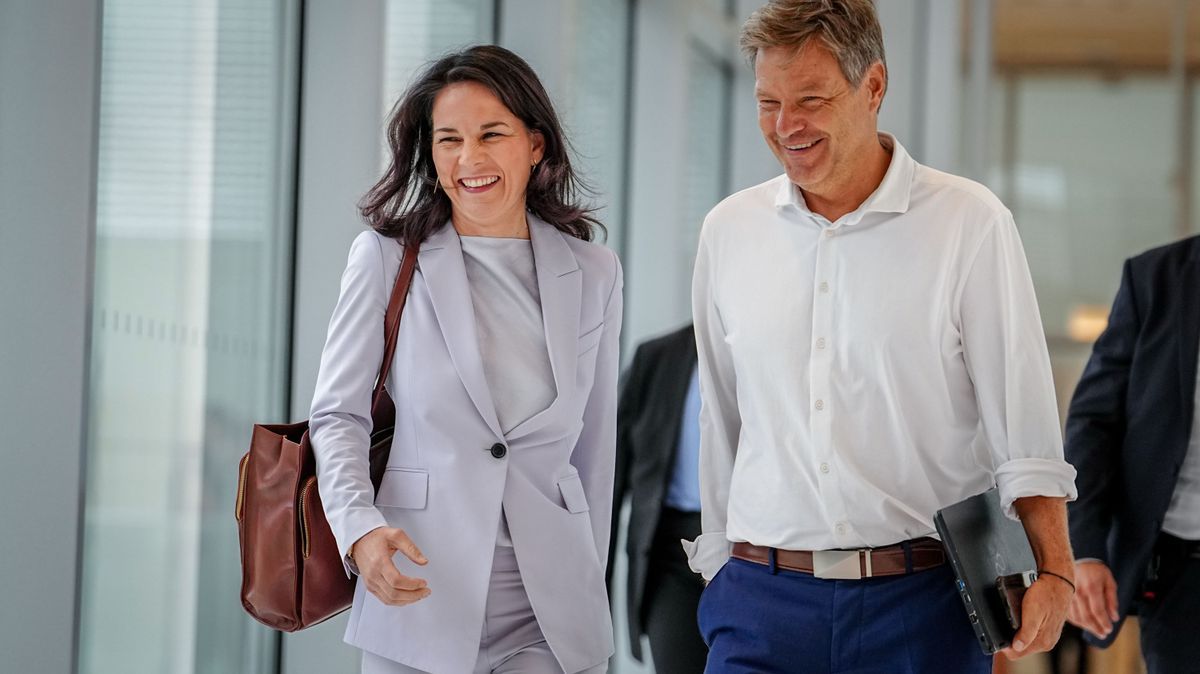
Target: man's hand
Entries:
(373, 555)
(1044, 608)
(1043, 611)
(1094, 607)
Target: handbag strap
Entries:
(391, 321)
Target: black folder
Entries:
(983, 545)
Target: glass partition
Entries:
(420, 30)
(191, 309)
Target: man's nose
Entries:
(789, 122)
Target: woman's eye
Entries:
(446, 139)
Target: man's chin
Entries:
(801, 178)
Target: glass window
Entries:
(705, 171)
(189, 344)
(420, 30)
(593, 99)
(1086, 191)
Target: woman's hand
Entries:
(373, 555)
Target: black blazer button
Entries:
(498, 450)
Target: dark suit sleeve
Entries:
(628, 405)
(1096, 423)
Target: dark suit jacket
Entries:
(649, 413)
(1131, 417)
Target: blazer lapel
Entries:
(441, 264)
(560, 286)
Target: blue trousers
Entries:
(760, 621)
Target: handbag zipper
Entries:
(308, 484)
(241, 496)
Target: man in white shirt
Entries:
(1134, 435)
(869, 351)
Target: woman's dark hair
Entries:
(407, 202)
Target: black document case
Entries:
(983, 545)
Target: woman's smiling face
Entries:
(484, 155)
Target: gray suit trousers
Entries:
(511, 641)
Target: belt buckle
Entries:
(839, 564)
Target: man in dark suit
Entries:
(658, 442)
(1133, 435)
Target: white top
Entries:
(1183, 515)
(511, 332)
(859, 375)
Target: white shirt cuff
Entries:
(708, 553)
(1020, 478)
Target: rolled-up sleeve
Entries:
(1004, 347)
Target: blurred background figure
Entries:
(1134, 436)
(658, 452)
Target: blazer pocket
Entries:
(572, 493)
(403, 488)
(589, 339)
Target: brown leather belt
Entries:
(927, 553)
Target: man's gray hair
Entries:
(849, 29)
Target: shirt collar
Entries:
(892, 195)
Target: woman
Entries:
(483, 549)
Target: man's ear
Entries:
(875, 80)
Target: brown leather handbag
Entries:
(292, 573)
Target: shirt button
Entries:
(825, 468)
(821, 343)
(498, 450)
(840, 528)
(824, 287)
(828, 233)
(820, 405)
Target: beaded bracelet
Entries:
(1043, 572)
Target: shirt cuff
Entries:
(708, 553)
(1020, 478)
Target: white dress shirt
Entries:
(858, 375)
(1183, 515)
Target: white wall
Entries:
(49, 51)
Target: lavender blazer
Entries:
(443, 486)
